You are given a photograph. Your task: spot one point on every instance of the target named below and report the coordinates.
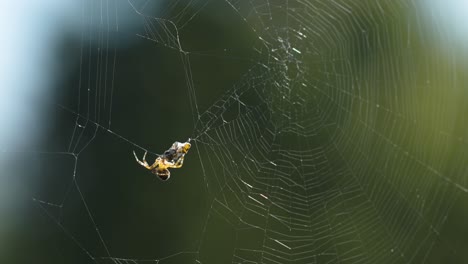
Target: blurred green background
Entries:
(350, 116)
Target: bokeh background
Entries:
(322, 131)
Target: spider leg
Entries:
(143, 162)
(179, 163)
(169, 164)
(155, 164)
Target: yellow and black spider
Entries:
(173, 158)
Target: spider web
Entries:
(322, 132)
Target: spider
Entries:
(173, 158)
